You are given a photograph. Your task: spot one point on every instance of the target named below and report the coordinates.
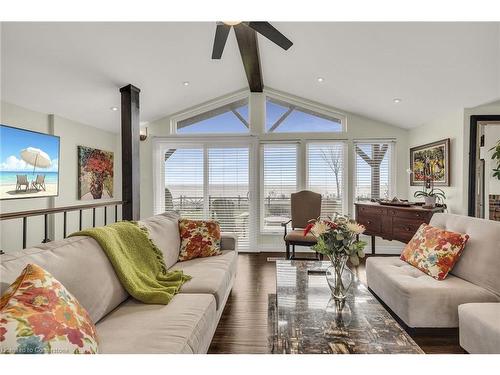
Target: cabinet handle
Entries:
(368, 222)
(407, 229)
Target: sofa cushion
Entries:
(185, 325)
(38, 315)
(164, 232)
(199, 239)
(480, 260)
(418, 299)
(434, 250)
(79, 264)
(480, 327)
(228, 241)
(212, 275)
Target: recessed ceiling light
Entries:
(114, 109)
(185, 83)
(320, 79)
(397, 100)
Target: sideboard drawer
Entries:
(404, 229)
(372, 210)
(413, 214)
(372, 223)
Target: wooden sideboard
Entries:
(392, 222)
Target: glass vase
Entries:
(340, 311)
(339, 277)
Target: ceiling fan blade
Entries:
(221, 34)
(271, 33)
(249, 51)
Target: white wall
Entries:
(456, 126)
(71, 135)
(446, 126)
(75, 134)
(358, 127)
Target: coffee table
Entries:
(307, 320)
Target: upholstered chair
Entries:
(306, 206)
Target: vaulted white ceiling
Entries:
(76, 69)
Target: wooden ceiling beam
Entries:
(249, 51)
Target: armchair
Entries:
(306, 205)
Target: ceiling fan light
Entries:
(231, 23)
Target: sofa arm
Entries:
(229, 241)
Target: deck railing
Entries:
(45, 212)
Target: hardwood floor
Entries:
(243, 326)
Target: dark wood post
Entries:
(130, 152)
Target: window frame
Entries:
(255, 138)
(298, 182)
(307, 105)
(160, 147)
(302, 172)
(392, 165)
(345, 166)
(207, 107)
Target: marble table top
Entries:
(309, 321)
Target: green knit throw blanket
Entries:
(137, 261)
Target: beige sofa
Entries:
(480, 327)
(421, 301)
(124, 325)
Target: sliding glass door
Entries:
(228, 190)
(279, 181)
(210, 183)
(184, 182)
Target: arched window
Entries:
(284, 116)
(227, 118)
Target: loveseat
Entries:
(421, 301)
(124, 325)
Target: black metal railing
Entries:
(45, 212)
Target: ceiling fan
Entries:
(246, 37)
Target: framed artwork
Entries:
(29, 164)
(95, 173)
(439, 153)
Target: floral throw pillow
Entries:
(199, 239)
(434, 251)
(38, 315)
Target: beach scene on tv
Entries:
(29, 164)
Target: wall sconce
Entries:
(143, 134)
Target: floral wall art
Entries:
(95, 173)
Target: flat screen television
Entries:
(29, 164)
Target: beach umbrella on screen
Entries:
(36, 157)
